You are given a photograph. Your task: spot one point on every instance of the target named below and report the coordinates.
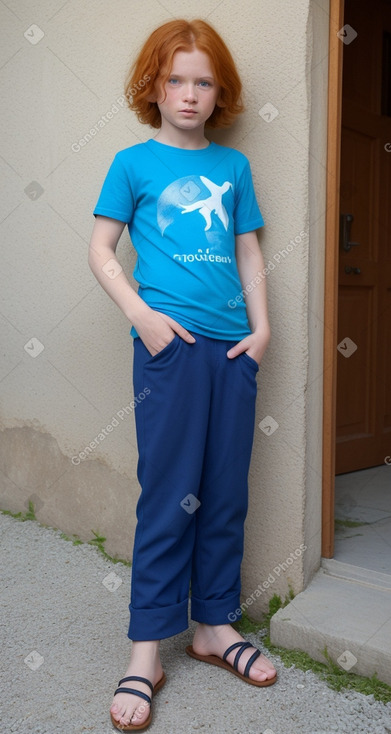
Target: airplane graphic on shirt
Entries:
(191, 195)
(212, 203)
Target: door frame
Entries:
(334, 119)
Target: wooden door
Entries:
(363, 414)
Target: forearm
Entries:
(118, 288)
(251, 264)
(155, 329)
(101, 253)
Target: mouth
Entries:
(188, 112)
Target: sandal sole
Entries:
(214, 660)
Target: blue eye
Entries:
(205, 84)
(172, 81)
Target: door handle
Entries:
(350, 269)
(344, 239)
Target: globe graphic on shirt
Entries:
(198, 199)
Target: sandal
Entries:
(148, 699)
(221, 662)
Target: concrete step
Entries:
(346, 609)
(349, 572)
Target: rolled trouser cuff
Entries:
(216, 611)
(159, 623)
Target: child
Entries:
(192, 216)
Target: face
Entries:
(191, 91)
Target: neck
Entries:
(187, 139)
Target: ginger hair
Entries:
(154, 63)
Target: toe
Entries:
(122, 711)
(124, 721)
(116, 712)
(141, 714)
(262, 669)
(126, 716)
(257, 674)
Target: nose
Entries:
(189, 93)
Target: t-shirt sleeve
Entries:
(247, 214)
(116, 197)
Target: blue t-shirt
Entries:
(183, 209)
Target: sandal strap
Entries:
(250, 662)
(135, 693)
(136, 678)
(232, 647)
(243, 646)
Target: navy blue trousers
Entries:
(195, 431)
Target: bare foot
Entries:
(215, 639)
(145, 662)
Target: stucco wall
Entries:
(66, 367)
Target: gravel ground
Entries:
(64, 647)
